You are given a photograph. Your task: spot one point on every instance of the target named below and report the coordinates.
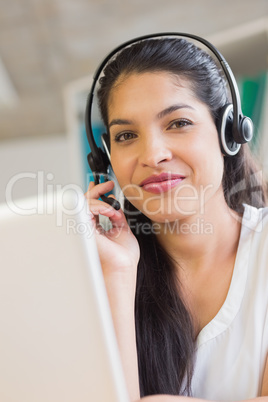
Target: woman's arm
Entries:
(264, 390)
(119, 254)
(121, 299)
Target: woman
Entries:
(184, 266)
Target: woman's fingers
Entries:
(96, 191)
(98, 207)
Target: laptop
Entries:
(57, 341)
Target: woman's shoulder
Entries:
(255, 219)
(254, 241)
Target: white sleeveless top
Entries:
(232, 348)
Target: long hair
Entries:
(164, 328)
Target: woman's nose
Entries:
(154, 150)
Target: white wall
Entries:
(31, 165)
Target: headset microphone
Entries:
(233, 127)
(111, 201)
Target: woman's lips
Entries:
(161, 183)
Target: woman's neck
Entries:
(198, 240)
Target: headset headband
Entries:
(237, 112)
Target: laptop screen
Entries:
(57, 340)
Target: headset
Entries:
(233, 127)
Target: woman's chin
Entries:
(170, 213)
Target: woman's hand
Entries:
(118, 247)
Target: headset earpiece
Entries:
(246, 129)
(228, 145)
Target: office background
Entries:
(49, 49)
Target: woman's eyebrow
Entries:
(173, 108)
(160, 115)
(119, 122)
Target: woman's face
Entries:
(164, 146)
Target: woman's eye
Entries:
(179, 124)
(124, 137)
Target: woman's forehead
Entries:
(159, 83)
(154, 87)
(148, 96)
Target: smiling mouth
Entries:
(161, 183)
